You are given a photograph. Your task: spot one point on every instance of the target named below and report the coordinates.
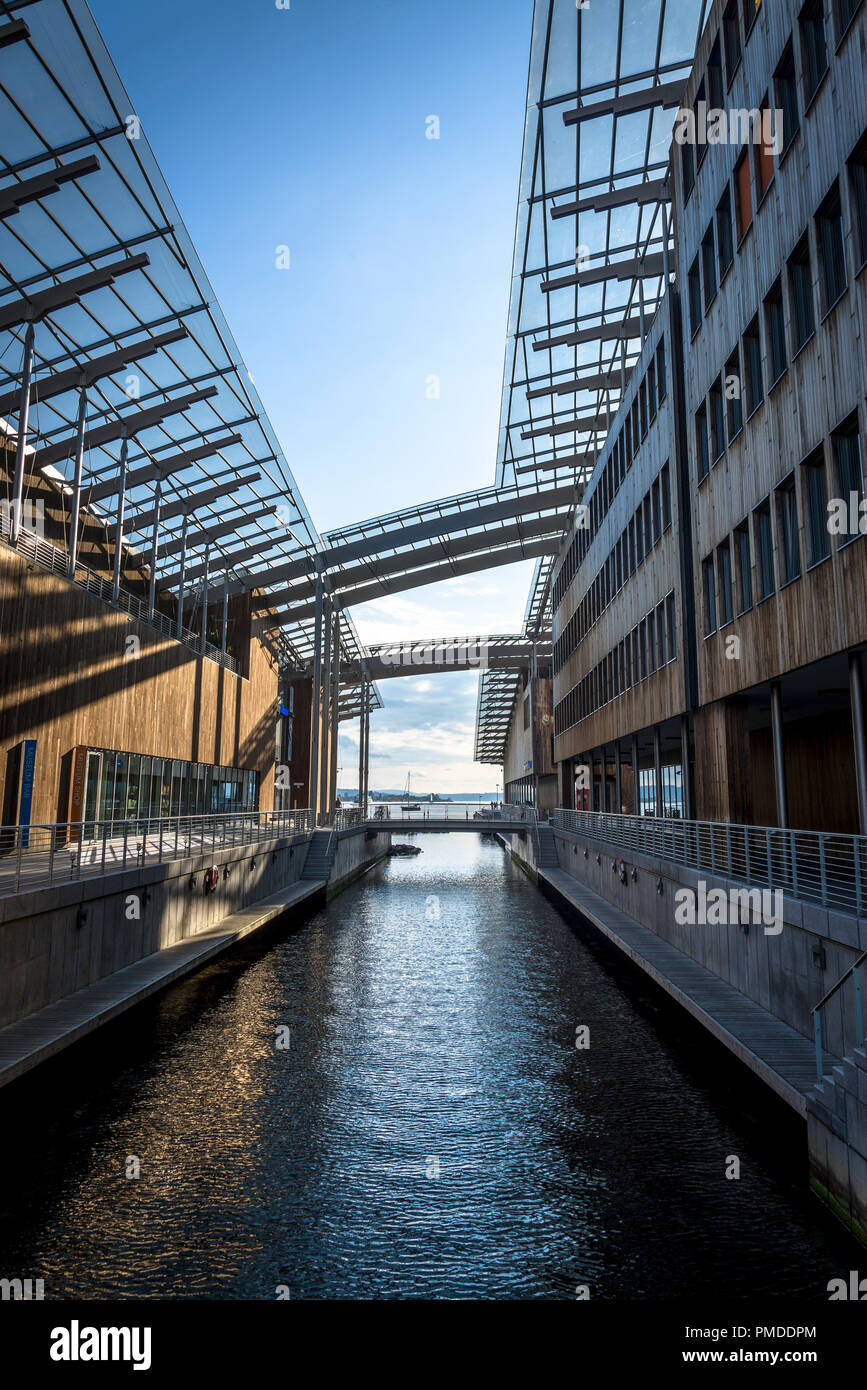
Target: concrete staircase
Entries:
(546, 848)
(837, 1139)
(320, 855)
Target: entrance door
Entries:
(92, 787)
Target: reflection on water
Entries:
(429, 1131)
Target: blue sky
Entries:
(305, 128)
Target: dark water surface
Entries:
(431, 1130)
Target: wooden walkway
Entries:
(783, 1058)
(25, 1044)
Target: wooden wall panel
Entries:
(71, 675)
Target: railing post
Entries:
(823, 875)
(18, 860)
(856, 854)
(728, 849)
(160, 852)
(817, 1028)
(712, 850)
(125, 838)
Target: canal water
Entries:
(427, 1128)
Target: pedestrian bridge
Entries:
(431, 819)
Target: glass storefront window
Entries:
(136, 787)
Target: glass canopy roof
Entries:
(583, 144)
(64, 115)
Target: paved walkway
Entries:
(25, 1044)
(782, 1057)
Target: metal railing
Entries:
(39, 856)
(812, 865)
(49, 557)
(857, 1019)
(379, 811)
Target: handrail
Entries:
(38, 856)
(49, 557)
(816, 866)
(859, 1013)
(833, 990)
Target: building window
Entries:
(858, 190)
(656, 503)
(745, 577)
(813, 47)
(708, 266)
(764, 154)
(743, 196)
(642, 402)
(701, 443)
(666, 497)
(753, 367)
(832, 255)
(731, 40)
(734, 391)
(845, 13)
(687, 169)
(660, 635)
(764, 550)
(651, 388)
(717, 425)
(639, 538)
(801, 293)
(672, 631)
(725, 241)
(694, 283)
(724, 563)
(776, 330)
(642, 648)
(787, 520)
(651, 644)
(649, 537)
(700, 101)
(818, 542)
(709, 596)
(786, 89)
(660, 370)
(846, 448)
(715, 85)
(751, 9)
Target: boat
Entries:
(407, 803)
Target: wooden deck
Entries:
(32, 1040)
(783, 1058)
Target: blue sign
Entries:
(28, 771)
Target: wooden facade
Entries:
(796, 611)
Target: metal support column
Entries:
(779, 754)
(317, 696)
(325, 758)
(636, 778)
(335, 711)
(618, 780)
(23, 426)
(76, 481)
(856, 697)
(659, 806)
(118, 539)
(366, 744)
(181, 594)
(686, 781)
(205, 587)
(361, 741)
(225, 612)
(155, 542)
